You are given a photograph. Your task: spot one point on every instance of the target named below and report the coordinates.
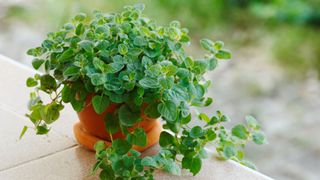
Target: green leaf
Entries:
(113, 67)
(134, 153)
(23, 131)
(166, 139)
(174, 33)
(149, 161)
(71, 71)
(107, 173)
(31, 82)
(170, 70)
(196, 132)
(149, 83)
(123, 49)
(153, 72)
(48, 44)
(240, 131)
(117, 98)
(195, 165)
(208, 101)
(252, 122)
(40, 130)
(186, 162)
(224, 118)
(36, 63)
(97, 79)
(212, 64)
(223, 54)
(152, 110)
(80, 17)
(95, 167)
(33, 101)
(79, 29)
(99, 64)
(100, 103)
(184, 109)
(35, 51)
(52, 112)
(105, 30)
(48, 82)
(259, 138)
(138, 137)
(214, 120)
(77, 105)
(127, 116)
(113, 84)
(218, 45)
(211, 135)
(203, 154)
(200, 67)
(204, 117)
(121, 146)
(167, 83)
(171, 167)
(99, 146)
(229, 151)
(86, 45)
(67, 94)
(189, 62)
(66, 55)
(168, 110)
(183, 73)
(35, 115)
(139, 41)
(186, 120)
(107, 68)
(176, 94)
(207, 44)
(111, 123)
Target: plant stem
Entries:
(111, 138)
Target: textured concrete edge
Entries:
(26, 163)
(39, 158)
(20, 65)
(234, 163)
(251, 170)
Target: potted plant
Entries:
(122, 73)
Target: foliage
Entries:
(307, 43)
(293, 11)
(125, 58)
(206, 17)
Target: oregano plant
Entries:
(127, 59)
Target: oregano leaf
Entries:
(138, 137)
(100, 103)
(127, 116)
(121, 146)
(168, 110)
(258, 138)
(240, 131)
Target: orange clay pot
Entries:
(91, 127)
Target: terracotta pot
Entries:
(92, 128)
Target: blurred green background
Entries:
(274, 73)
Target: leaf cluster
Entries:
(126, 59)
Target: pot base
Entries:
(88, 140)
